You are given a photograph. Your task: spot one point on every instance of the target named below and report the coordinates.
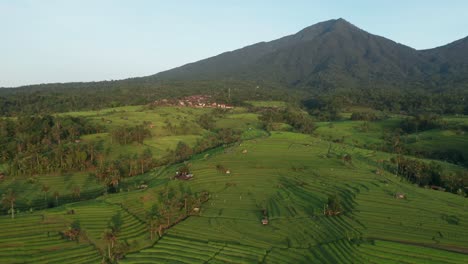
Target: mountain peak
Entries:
(320, 28)
(343, 24)
(329, 54)
(341, 20)
(331, 25)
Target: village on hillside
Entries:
(196, 101)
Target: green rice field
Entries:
(287, 176)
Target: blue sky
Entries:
(46, 41)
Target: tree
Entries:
(8, 201)
(347, 159)
(182, 151)
(153, 217)
(73, 232)
(206, 121)
(333, 206)
(45, 190)
(186, 194)
(76, 192)
(56, 195)
(110, 238)
(146, 159)
(116, 223)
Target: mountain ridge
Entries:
(330, 54)
(327, 55)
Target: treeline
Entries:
(55, 98)
(408, 101)
(396, 141)
(418, 172)
(112, 172)
(126, 135)
(364, 116)
(421, 122)
(326, 105)
(47, 144)
(301, 121)
(220, 137)
(429, 174)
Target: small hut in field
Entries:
(184, 176)
(400, 196)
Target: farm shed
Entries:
(400, 196)
(184, 176)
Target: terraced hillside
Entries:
(81, 185)
(284, 176)
(291, 177)
(35, 239)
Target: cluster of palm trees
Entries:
(172, 207)
(111, 172)
(9, 201)
(126, 135)
(110, 237)
(46, 144)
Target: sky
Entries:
(45, 41)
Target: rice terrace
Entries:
(331, 145)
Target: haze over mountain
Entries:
(333, 54)
(329, 55)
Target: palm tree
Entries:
(76, 192)
(153, 219)
(45, 189)
(56, 195)
(186, 193)
(110, 238)
(114, 181)
(8, 201)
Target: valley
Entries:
(277, 174)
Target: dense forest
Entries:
(323, 104)
(46, 144)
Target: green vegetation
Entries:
(267, 104)
(290, 177)
(331, 192)
(333, 153)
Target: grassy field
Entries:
(290, 175)
(30, 189)
(371, 135)
(275, 104)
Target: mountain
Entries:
(332, 54)
(451, 61)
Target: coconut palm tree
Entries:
(153, 219)
(45, 190)
(76, 192)
(56, 195)
(110, 238)
(8, 201)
